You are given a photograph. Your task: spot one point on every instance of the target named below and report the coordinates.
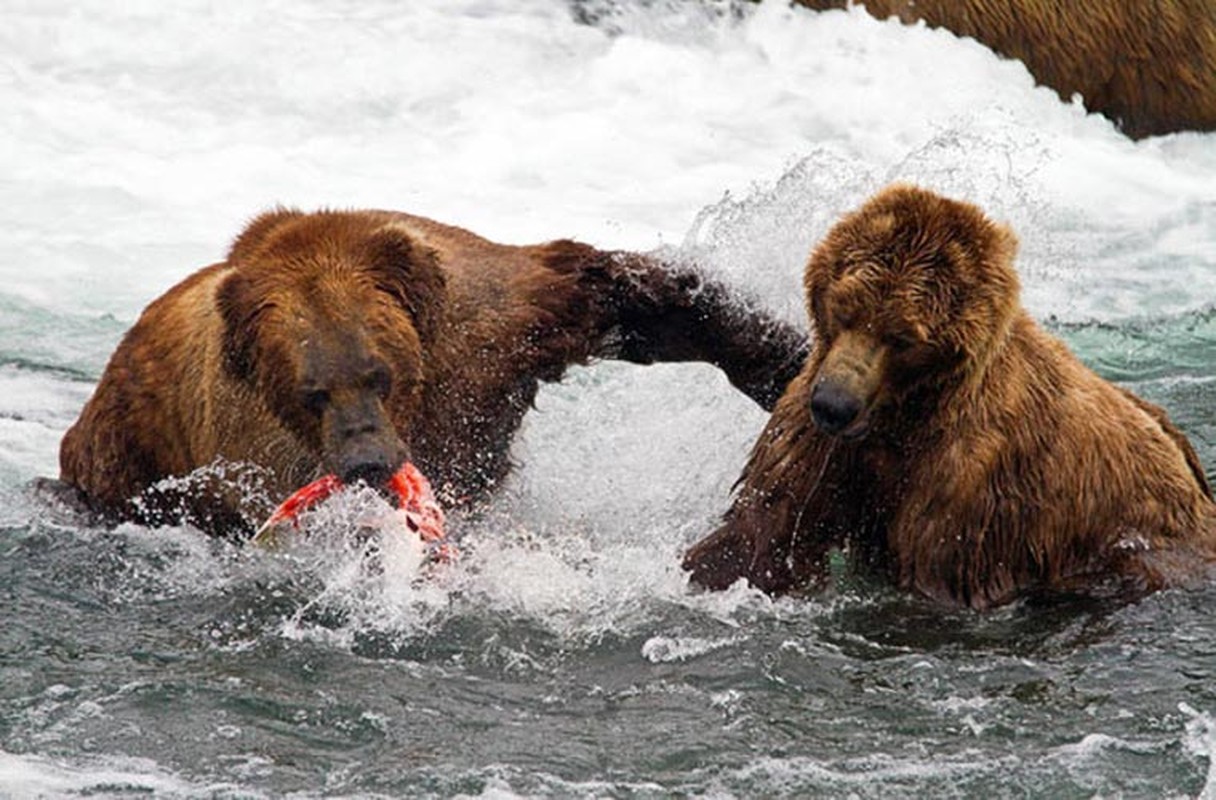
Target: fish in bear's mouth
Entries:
(423, 514)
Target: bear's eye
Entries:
(902, 343)
(846, 318)
(380, 381)
(314, 400)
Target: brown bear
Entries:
(348, 342)
(1147, 66)
(941, 439)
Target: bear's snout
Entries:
(833, 407)
(361, 443)
(848, 385)
(371, 457)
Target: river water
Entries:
(564, 654)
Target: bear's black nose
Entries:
(833, 407)
(373, 473)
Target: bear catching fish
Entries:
(350, 343)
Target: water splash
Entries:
(368, 570)
(1201, 741)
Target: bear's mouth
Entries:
(856, 430)
(372, 473)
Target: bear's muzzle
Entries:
(359, 441)
(848, 385)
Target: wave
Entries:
(1168, 347)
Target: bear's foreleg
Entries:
(664, 314)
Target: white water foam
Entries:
(1201, 741)
(28, 775)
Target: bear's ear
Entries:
(411, 274)
(239, 309)
(1005, 245)
(257, 231)
(994, 255)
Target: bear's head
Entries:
(327, 318)
(909, 295)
